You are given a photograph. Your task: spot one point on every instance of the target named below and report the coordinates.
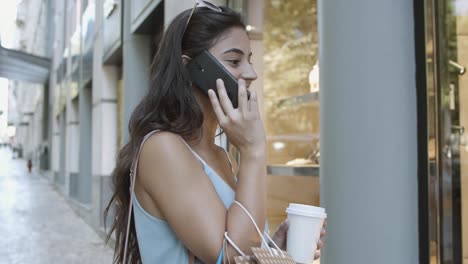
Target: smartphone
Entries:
(205, 69)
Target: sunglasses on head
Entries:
(205, 4)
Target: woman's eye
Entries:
(234, 62)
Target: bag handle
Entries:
(258, 231)
(133, 170)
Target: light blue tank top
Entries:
(157, 241)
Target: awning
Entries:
(20, 66)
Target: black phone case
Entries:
(205, 69)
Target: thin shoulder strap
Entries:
(133, 170)
(133, 173)
(193, 151)
(230, 162)
(201, 159)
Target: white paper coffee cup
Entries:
(305, 225)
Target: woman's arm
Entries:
(175, 180)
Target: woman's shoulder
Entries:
(166, 153)
(164, 143)
(163, 135)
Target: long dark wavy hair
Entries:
(169, 105)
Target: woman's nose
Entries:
(249, 74)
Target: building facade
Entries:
(387, 159)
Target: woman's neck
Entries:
(206, 142)
(208, 129)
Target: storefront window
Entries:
(290, 77)
(284, 44)
(291, 82)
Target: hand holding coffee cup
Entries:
(305, 229)
(320, 243)
(281, 235)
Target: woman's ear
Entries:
(186, 59)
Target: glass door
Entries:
(447, 94)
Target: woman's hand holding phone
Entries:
(243, 125)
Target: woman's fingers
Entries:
(317, 255)
(284, 226)
(242, 96)
(319, 244)
(253, 102)
(323, 232)
(226, 103)
(216, 106)
(280, 235)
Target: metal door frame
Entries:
(431, 77)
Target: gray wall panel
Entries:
(368, 133)
(112, 30)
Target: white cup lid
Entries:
(306, 208)
(305, 213)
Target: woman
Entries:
(185, 184)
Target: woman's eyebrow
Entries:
(238, 51)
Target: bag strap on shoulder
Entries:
(133, 173)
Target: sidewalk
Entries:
(36, 223)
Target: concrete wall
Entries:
(368, 172)
(104, 128)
